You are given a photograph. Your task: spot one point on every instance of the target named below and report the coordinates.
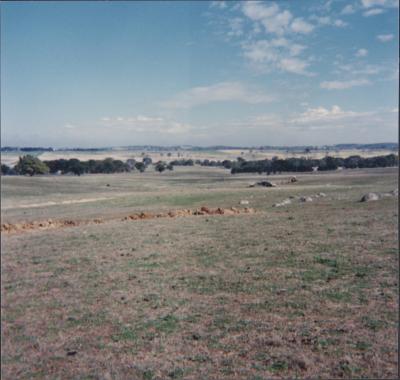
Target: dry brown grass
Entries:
(305, 291)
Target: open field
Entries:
(11, 158)
(308, 290)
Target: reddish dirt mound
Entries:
(49, 223)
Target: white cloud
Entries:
(276, 54)
(387, 70)
(278, 24)
(326, 20)
(353, 123)
(146, 119)
(257, 11)
(385, 37)
(362, 69)
(70, 126)
(145, 124)
(294, 65)
(342, 85)
(340, 23)
(373, 12)
(348, 10)
(236, 27)
(301, 26)
(319, 114)
(381, 3)
(276, 51)
(270, 16)
(361, 53)
(220, 92)
(218, 4)
(328, 122)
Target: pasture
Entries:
(308, 290)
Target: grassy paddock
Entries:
(306, 290)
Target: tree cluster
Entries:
(277, 165)
(182, 162)
(30, 165)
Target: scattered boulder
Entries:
(395, 192)
(293, 179)
(252, 185)
(266, 184)
(285, 202)
(369, 197)
(323, 195)
(244, 202)
(306, 199)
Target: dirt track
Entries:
(49, 223)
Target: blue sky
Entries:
(249, 73)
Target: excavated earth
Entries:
(49, 223)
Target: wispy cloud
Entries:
(327, 20)
(70, 126)
(294, 65)
(358, 69)
(267, 34)
(361, 53)
(236, 27)
(342, 85)
(301, 26)
(348, 9)
(385, 37)
(380, 3)
(373, 12)
(220, 92)
(319, 114)
(278, 53)
(218, 4)
(273, 19)
(331, 119)
(317, 119)
(144, 124)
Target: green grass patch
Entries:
(373, 324)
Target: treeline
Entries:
(227, 164)
(30, 165)
(26, 149)
(277, 165)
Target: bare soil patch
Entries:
(50, 224)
